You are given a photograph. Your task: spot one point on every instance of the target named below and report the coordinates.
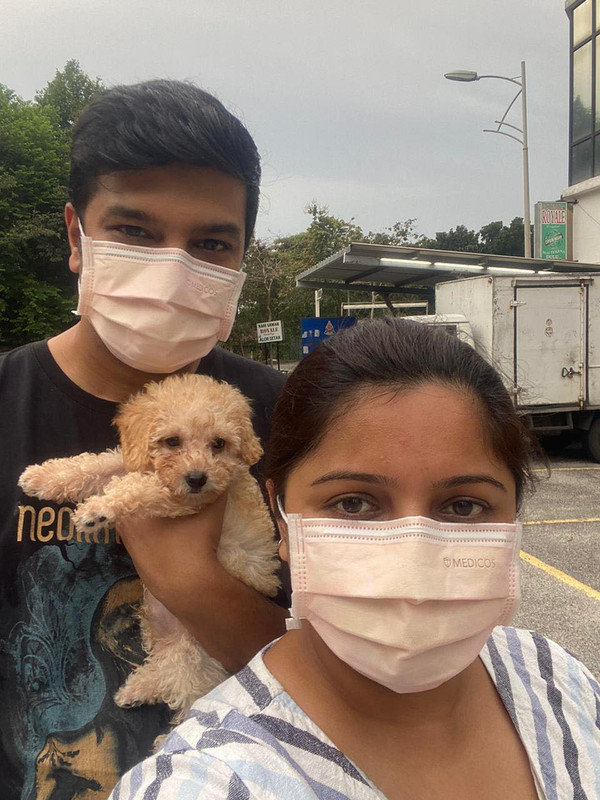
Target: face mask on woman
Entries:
(409, 603)
(156, 309)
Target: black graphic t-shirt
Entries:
(68, 632)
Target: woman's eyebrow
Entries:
(461, 480)
(342, 475)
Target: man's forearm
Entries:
(231, 620)
(177, 560)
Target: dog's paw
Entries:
(38, 481)
(127, 698)
(139, 689)
(92, 515)
(158, 742)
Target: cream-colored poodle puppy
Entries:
(184, 441)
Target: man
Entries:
(163, 199)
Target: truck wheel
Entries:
(592, 439)
(554, 445)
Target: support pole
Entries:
(526, 217)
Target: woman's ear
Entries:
(281, 526)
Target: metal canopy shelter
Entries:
(386, 269)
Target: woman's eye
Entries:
(464, 508)
(353, 506)
(172, 441)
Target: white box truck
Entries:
(542, 332)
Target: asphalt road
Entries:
(561, 582)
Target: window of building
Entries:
(585, 91)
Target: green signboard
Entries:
(552, 231)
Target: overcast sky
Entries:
(346, 99)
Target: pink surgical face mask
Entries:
(156, 309)
(409, 603)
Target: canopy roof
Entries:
(387, 268)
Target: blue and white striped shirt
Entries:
(249, 739)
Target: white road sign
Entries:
(269, 331)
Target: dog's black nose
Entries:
(195, 480)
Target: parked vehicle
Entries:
(542, 332)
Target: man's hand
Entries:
(176, 559)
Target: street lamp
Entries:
(468, 76)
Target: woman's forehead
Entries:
(430, 423)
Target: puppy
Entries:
(184, 441)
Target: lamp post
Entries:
(468, 76)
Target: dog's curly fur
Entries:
(184, 441)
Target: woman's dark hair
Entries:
(389, 354)
(154, 124)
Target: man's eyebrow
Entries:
(342, 475)
(212, 228)
(218, 227)
(118, 210)
(461, 480)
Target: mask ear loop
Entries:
(281, 511)
(81, 236)
(291, 623)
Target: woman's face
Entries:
(421, 452)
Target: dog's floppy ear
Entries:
(241, 410)
(133, 421)
(250, 447)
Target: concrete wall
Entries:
(586, 220)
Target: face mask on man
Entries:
(156, 309)
(409, 603)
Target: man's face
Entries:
(198, 209)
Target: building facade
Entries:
(584, 128)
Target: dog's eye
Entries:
(172, 441)
(218, 444)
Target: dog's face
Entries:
(192, 431)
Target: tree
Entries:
(502, 239)
(265, 272)
(37, 292)
(459, 238)
(270, 290)
(67, 93)
(399, 234)
(495, 237)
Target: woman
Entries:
(397, 466)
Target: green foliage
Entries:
(67, 93)
(270, 290)
(496, 237)
(506, 240)
(37, 291)
(400, 234)
(459, 238)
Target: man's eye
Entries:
(467, 509)
(215, 245)
(134, 231)
(172, 441)
(218, 444)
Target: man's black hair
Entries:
(154, 124)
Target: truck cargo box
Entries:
(541, 332)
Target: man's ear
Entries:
(74, 234)
(284, 552)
